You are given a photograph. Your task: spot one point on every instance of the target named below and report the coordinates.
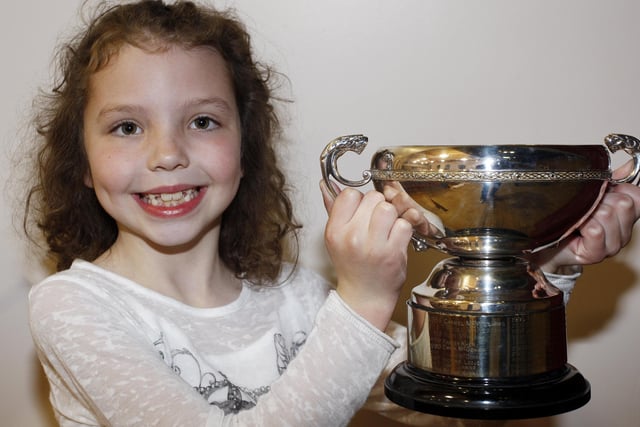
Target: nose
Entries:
(167, 151)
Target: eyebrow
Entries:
(119, 108)
(219, 103)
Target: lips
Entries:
(171, 202)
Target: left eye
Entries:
(204, 123)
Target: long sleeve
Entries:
(331, 378)
(566, 281)
(104, 371)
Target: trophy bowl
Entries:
(486, 330)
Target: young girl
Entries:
(160, 199)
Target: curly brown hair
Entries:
(257, 224)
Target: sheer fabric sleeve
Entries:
(103, 371)
(565, 281)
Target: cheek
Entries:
(226, 163)
(107, 174)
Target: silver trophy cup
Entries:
(486, 330)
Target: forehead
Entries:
(202, 61)
(154, 73)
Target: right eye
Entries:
(126, 129)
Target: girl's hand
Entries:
(423, 221)
(603, 234)
(367, 241)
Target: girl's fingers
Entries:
(423, 221)
(401, 233)
(623, 170)
(327, 197)
(383, 219)
(345, 206)
(625, 198)
(591, 245)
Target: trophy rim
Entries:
(491, 176)
(411, 166)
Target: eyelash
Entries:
(210, 122)
(119, 128)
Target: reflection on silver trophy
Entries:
(487, 336)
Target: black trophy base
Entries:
(490, 399)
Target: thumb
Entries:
(624, 170)
(327, 197)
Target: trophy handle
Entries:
(631, 146)
(329, 160)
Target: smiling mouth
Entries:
(169, 199)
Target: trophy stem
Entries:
(487, 339)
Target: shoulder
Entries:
(297, 286)
(81, 279)
(56, 286)
(301, 280)
(78, 295)
(300, 275)
(295, 277)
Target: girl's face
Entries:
(162, 136)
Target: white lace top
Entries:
(117, 353)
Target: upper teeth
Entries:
(169, 199)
